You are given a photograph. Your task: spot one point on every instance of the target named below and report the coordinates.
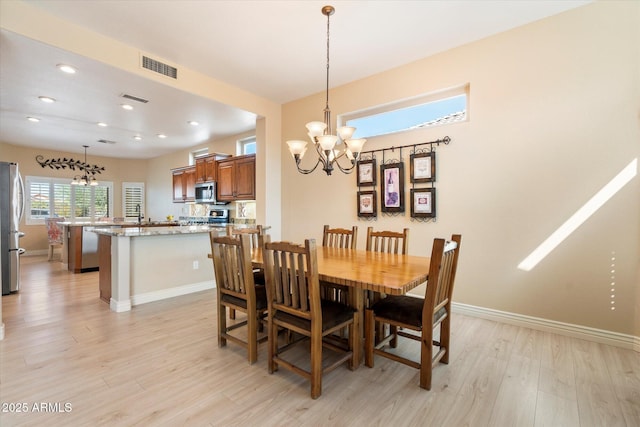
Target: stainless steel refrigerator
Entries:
(12, 204)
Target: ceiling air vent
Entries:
(134, 98)
(159, 67)
(106, 141)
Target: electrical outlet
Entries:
(195, 265)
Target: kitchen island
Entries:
(143, 264)
(80, 244)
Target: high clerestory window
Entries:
(445, 107)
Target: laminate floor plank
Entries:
(160, 365)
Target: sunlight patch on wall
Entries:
(581, 215)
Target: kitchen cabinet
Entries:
(206, 169)
(236, 178)
(184, 182)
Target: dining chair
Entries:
(54, 234)
(237, 291)
(421, 315)
(255, 234)
(340, 237)
(293, 293)
(388, 241)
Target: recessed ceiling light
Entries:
(127, 107)
(193, 123)
(102, 124)
(66, 68)
(46, 99)
(137, 138)
(162, 135)
(33, 119)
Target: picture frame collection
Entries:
(422, 170)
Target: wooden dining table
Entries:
(362, 271)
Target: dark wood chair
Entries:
(340, 237)
(255, 234)
(295, 305)
(388, 241)
(421, 315)
(237, 291)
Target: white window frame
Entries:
(243, 143)
(135, 185)
(440, 95)
(64, 181)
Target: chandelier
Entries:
(84, 179)
(323, 139)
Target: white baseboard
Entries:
(120, 306)
(1, 331)
(560, 328)
(36, 252)
(172, 292)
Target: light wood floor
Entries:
(160, 365)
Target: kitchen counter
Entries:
(157, 231)
(138, 265)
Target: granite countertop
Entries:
(156, 231)
(118, 223)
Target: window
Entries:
(132, 200)
(56, 197)
(429, 110)
(247, 145)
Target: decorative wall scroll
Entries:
(392, 187)
(423, 167)
(64, 163)
(367, 204)
(367, 172)
(423, 202)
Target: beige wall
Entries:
(553, 117)
(116, 170)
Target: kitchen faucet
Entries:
(140, 216)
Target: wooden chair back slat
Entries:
(388, 241)
(443, 265)
(255, 233)
(288, 265)
(229, 261)
(340, 237)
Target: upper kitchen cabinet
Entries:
(206, 169)
(184, 182)
(236, 178)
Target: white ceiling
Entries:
(275, 49)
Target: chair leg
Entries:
(426, 357)
(222, 325)
(369, 333)
(272, 344)
(445, 335)
(232, 314)
(316, 365)
(393, 330)
(50, 253)
(252, 338)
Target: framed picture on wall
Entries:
(367, 207)
(367, 172)
(423, 202)
(423, 167)
(392, 187)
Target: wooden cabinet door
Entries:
(245, 178)
(178, 186)
(201, 170)
(189, 184)
(226, 171)
(210, 169)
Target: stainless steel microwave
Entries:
(206, 193)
